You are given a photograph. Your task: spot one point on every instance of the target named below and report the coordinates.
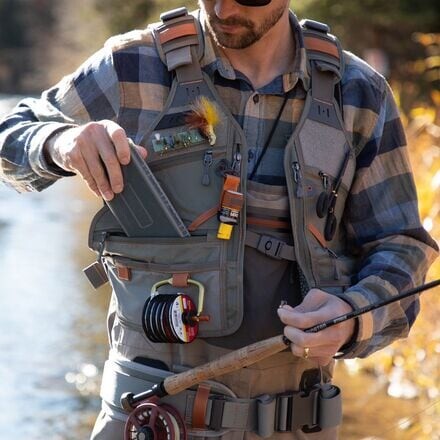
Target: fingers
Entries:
(318, 306)
(97, 150)
(317, 348)
(320, 355)
(302, 319)
(85, 173)
(103, 169)
(119, 141)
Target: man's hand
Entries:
(318, 306)
(96, 151)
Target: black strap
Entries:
(269, 137)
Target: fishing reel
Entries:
(173, 318)
(154, 421)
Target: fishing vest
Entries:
(319, 164)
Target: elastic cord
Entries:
(269, 138)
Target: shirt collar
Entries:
(214, 59)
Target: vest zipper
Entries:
(324, 179)
(296, 169)
(236, 164)
(207, 163)
(160, 163)
(292, 165)
(297, 178)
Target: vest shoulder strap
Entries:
(180, 43)
(323, 48)
(325, 63)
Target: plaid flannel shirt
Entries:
(127, 83)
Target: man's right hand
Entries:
(95, 151)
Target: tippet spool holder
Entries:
(173, 318)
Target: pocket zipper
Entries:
(183, 157)
(297, 178)
(163, 268)
(207, 163)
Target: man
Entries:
(254, 54)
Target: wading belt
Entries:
(218, 410)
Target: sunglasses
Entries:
(253, 2)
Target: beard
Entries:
(250, 33)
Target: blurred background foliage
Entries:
(41, 40)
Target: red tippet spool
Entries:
(170, 318)
(173, 318)
(180, 314)
(151, 421)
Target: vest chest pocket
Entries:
(136, 265)
(191, 182)
(186, 163)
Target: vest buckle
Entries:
(270, 246)
(295, 410)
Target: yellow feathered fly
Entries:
(204, 116)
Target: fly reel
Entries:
(152, 421)
(172, 318)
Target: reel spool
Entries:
(151, 421)
(172, 318)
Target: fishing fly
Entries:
(204, 116)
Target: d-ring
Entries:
(306, 352)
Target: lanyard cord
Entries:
(269, 138)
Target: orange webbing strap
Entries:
(232, 183)
(315, 232)
(123, 272)
(180, 30)
(199, 407)
(268, 223)
(320, 45)
(202, 218)
(180, 279)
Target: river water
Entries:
(52, 323)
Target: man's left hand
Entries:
(318, 306)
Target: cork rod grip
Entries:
(230, 362)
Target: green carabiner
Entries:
(200, 286)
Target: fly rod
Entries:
(368, 308)
(249, 355)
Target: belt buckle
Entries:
(270, 246)
(297, 410)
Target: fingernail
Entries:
(108, 195)
(117, 188)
